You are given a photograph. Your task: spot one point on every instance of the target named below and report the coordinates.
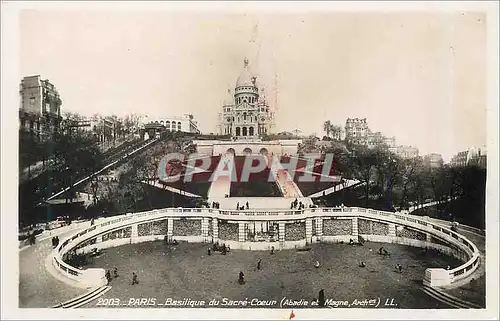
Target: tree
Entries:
(327, 127)
(336, 132)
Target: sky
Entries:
(418, 76)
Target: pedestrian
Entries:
(362, 264)
(238, 205)
(209, 251)
(241, 278)
(317, 264)
(399, 268)
(248, 206)
(115, 273)
(258, 264)
(108, 276)
(272, 250)
(134, 278)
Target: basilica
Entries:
(245, 113)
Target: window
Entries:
(32, 101)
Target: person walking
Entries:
(134, 278)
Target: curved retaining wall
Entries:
(292, 229)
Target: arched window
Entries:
(178, 126)
(245, 131)
(238, 131)
(250, 131)
(244, 116)
(168, 125)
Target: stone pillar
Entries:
(134, 235)
(98, 238)
(215, 227)
(308, 230)
(392, 230)
(319, 229)
(204, 228)
(355, 227)
(281, 234)
(428, 237)
(170, 228)
(241, 232)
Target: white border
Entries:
(9, 95)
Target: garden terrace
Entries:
(255, 189)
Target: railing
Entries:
(414, 222)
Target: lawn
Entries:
(186, 271)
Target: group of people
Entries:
(115, 275)
(216, 205)
(55, 241)
(238, 207)
(223, 249)
(297, 205)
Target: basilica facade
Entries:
(245, 112)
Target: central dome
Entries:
(246, 78)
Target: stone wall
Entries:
(366, 227)
(185, 227)
(295, 231)
(119, 234)
(402, 231)
(337, 227)
(228, 231)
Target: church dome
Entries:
(246, 78)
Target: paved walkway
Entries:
(37, 287)
(280, 203)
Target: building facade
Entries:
(433, 160)
(470, 157)
(356, 131)
(406, 152)
(40, 106)
(245, 112)
(185, 124)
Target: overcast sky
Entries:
(418, 76)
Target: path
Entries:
(336, 188)
(221, 186)
(37, 287)
(255, 203)
(157, 184)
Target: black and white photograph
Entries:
(246, 160)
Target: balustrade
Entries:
(151, 223)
